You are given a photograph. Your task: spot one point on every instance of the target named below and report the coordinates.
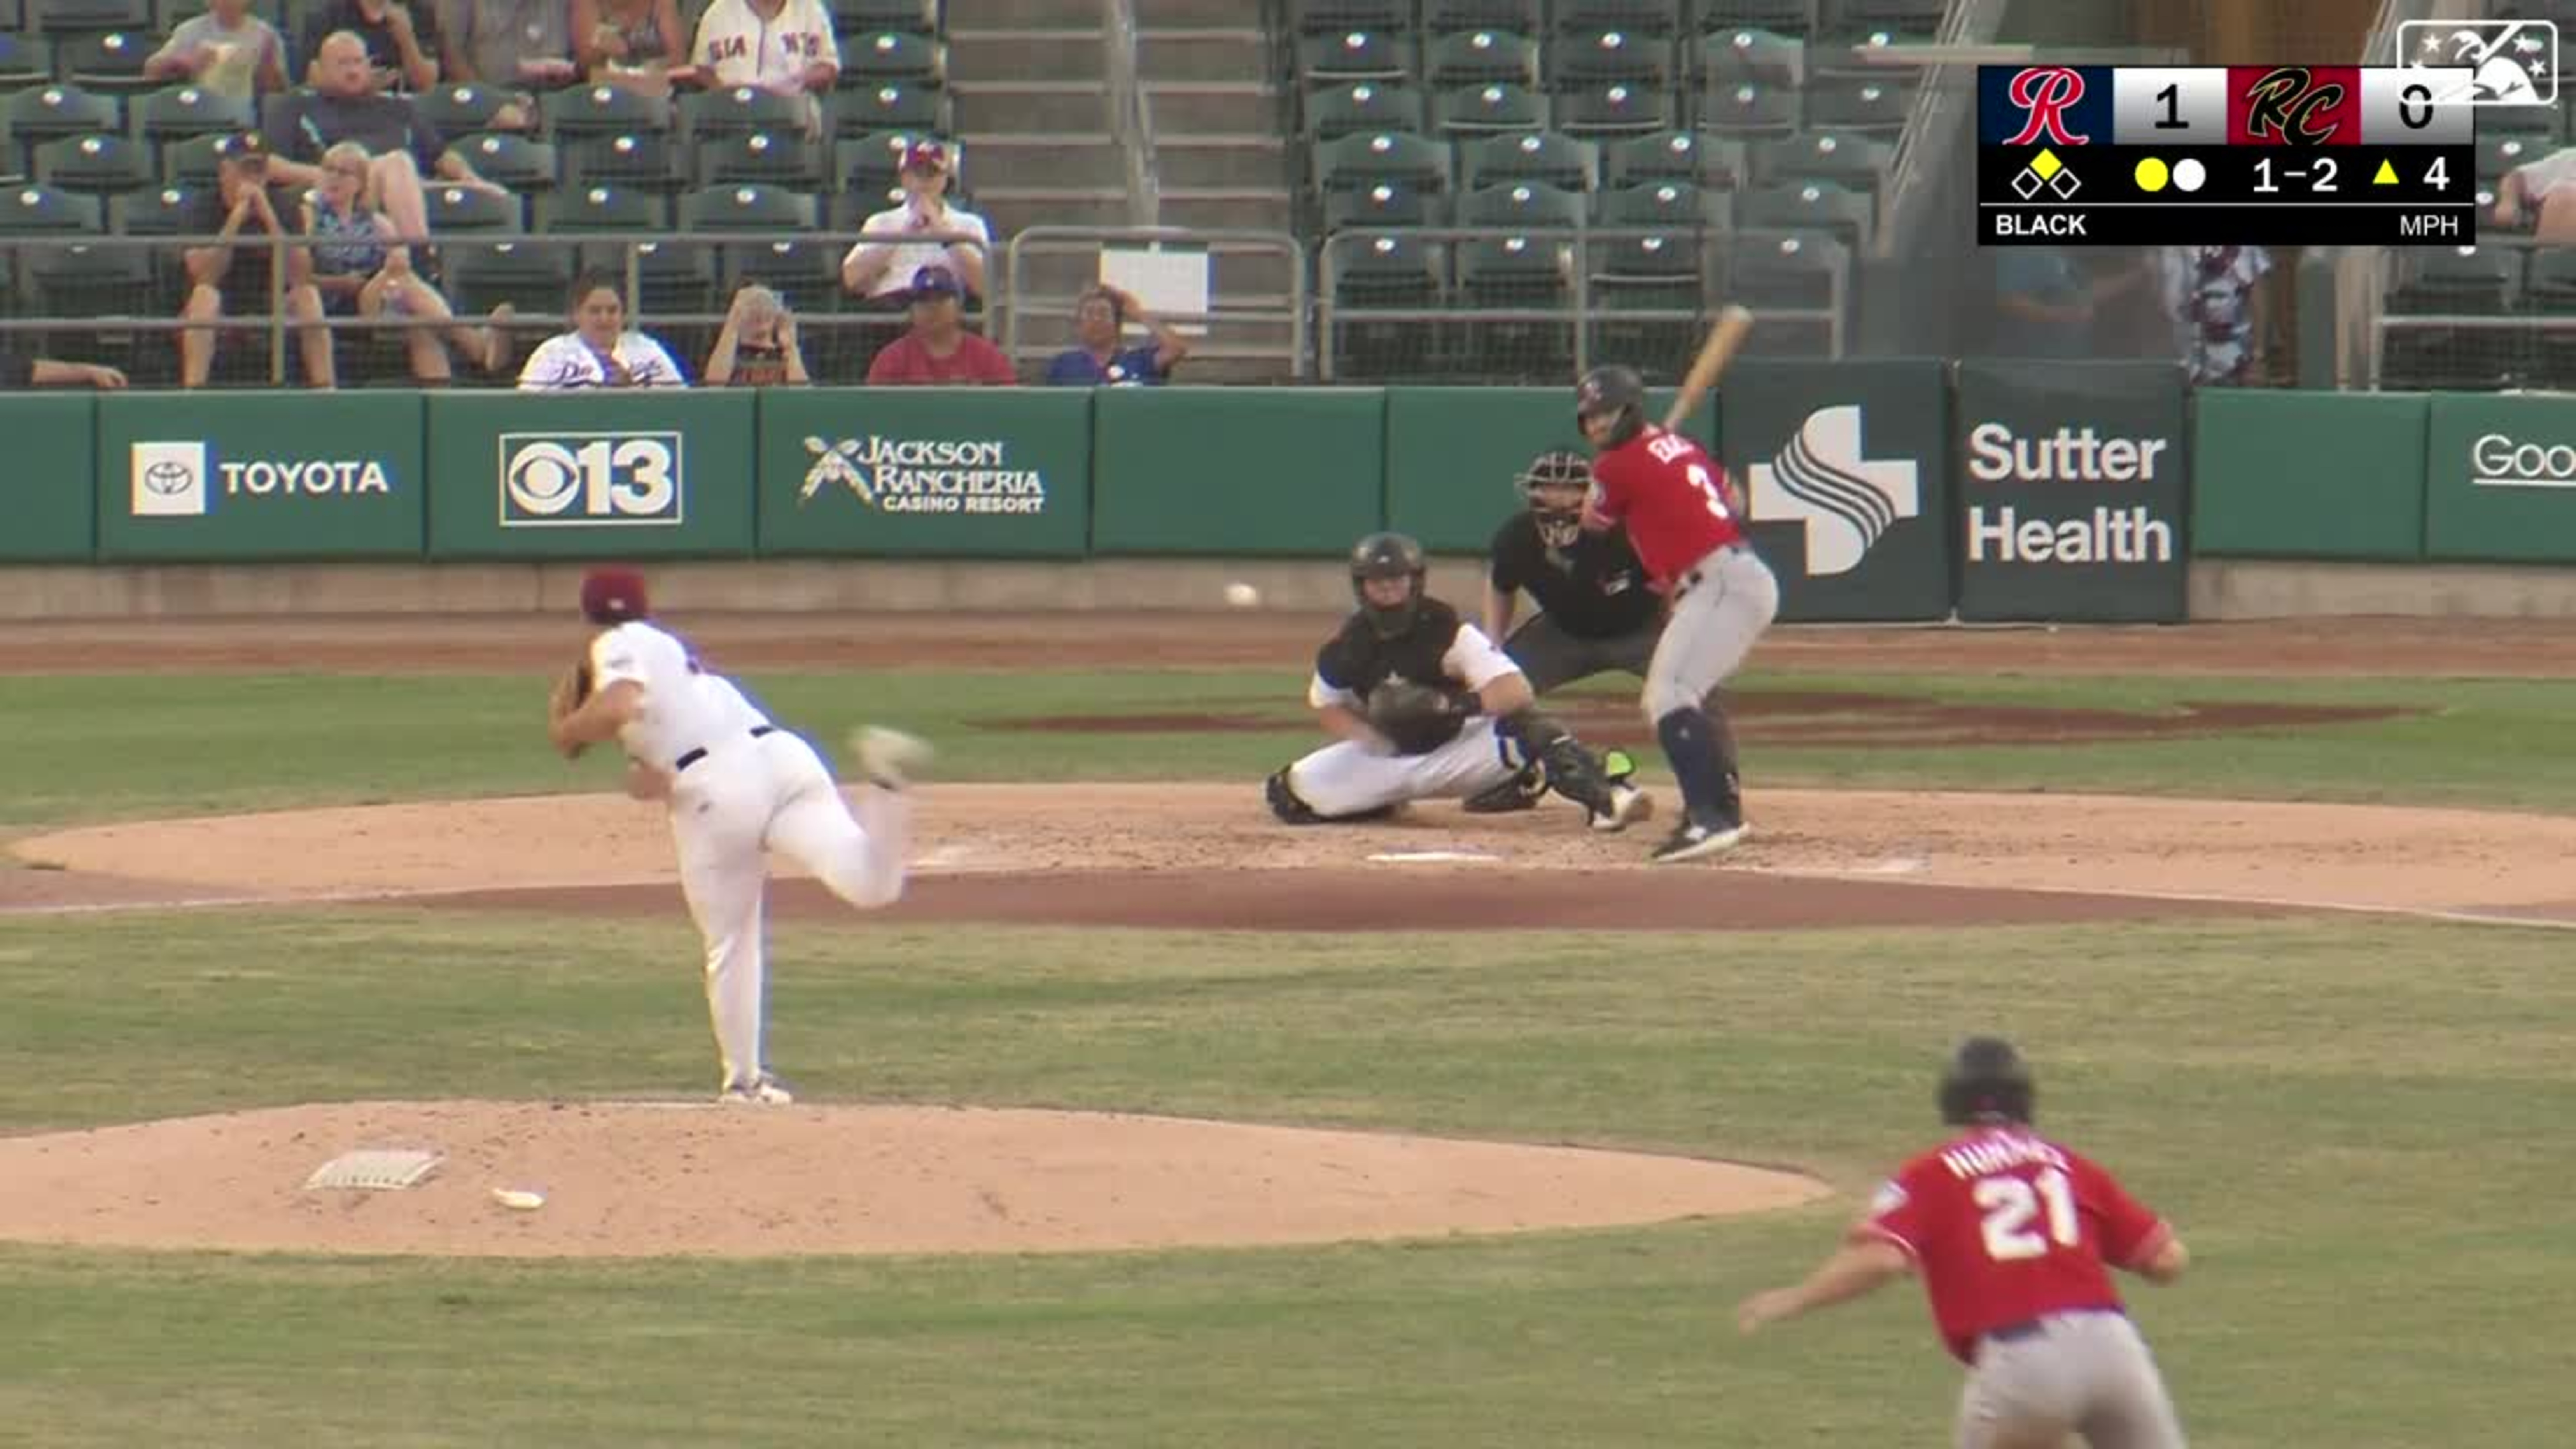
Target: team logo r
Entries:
(2045, 93)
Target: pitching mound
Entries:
(639, 1179)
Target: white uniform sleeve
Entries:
(1320, 694)
(1473, 660)
(617, 655)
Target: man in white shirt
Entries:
(736, 787)
(599, 351)
(772, 45)
(881, 266)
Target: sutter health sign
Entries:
(2072, 491)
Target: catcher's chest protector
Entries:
(1358, 660)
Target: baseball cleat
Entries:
(761, 1091)
(1694, 840)
(1628, 805)
(889, 758)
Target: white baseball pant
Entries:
(1346, 778)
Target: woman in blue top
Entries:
(351, 261)
(1099, 317)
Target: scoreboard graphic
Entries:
(2273, 155)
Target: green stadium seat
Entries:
(1664, 156)
(2480, 281)
(1613, 110)
(532, 277)
(1364, 273)
(1314, 17)
(1516, 274)
(25, 60)
(1489, 108)
(190, 160)
(46, 112)
(1810, 205)
(775, 158)
(1782, 17)
(670, 277)
(1859, 103)
(2549, 283)
(1354, 55)
(602, 111)
(88, 281)
(806, 273)
(2499, 154)
(1789, 269)
(579, 209)
(1558, 160)
(739, 110)
(88, 17)
(873, 59)
(513, 161)
(94, 165)
(1669, 205)
(1763, 57)
(1599, 57)
(109, 63)
(1333, 112)
(746, 207)
(1480, 57)
(37, 209)
(1443, 17)
(889, 107)
(1746, 111)
(642, 160)
(1377, 208)
(1855, 159)
(1920, 17)
(1365, 160)
(1637, 17)
(1521, 206)
(856, 17)
(459, 110)
(471, 209)
(162, 116)
(1664, 260)
(1862, 55)
(153, 211)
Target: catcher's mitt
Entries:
(1418, 718)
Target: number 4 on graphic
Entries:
(2439, 175)
(2010, 1204)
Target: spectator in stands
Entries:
(2049, 302)
(638, 44)
(19, 371)
(356, 268)
(226, 50)
(2214, 297)
(877, 269)
(2537, 192)
(508, 45)
(757, 347)
(1100, 319)
(232, 276)
(785, 46)
(403, 44)
(344, 106)
(939, 351)
(599, 351)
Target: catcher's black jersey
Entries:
(1440, 648)
(1594, 590)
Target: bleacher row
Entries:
(1593, 155)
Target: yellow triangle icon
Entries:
(2387, 175)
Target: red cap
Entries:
(613, 596)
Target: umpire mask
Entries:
(1553, 485)
(1388, 556)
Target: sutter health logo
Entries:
(2070, 455)
(1846, 500)
(182, 480)
(2498, 461)
(924, 475)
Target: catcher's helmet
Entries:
(1388, 556)
(1986, 1081)
(1556, 469)
(1612, 389)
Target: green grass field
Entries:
(2359, 1126)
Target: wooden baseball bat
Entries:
(1724, 341)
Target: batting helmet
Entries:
(1388, 556)
(1555, 471)
(1615, 390)
(1986, 1081)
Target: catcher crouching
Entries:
(1423, 706)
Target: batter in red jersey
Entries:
(1687, 527)
(2015, 1237)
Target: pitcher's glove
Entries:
(571, 689)
(1419, 718)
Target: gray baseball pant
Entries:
(2084, 1374)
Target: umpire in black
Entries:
(1595, 614)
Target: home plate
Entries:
(1432, 857)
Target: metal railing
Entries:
(1090, 240)
(1131, 115)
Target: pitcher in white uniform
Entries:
(737, 787)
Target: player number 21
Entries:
(2010, 1203)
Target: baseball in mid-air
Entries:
(1242, 595)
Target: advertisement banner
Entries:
(2073, 491)
(1844, 468)
(972, 471)
(1453, 453)
(52, 478)
(188, 477)
(590, 475)
(1236, 470)
(2308, 474)
(2501, 480)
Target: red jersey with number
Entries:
(1677, 503)
(2005, 1226)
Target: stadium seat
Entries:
(1917, 17)
(739, 110)
(775, 158)
(890, 107)
(460, 110)
(1613, 110)
(1516, 273)
(111, 62)
(1479, 57)
(94, 165)
(2480, 281)
(1599, 57)
(1782, 17)
(1669, 206)
(670, 277)
(579, 209)
(1763, 57)
(25, 60)
(1859, 103)
(1314, 17)
(1646, 274)
(178, 112)
(854, 17)
(599, 111)
(533, 277)
(1815, 205)
(1521, 206)
(644, 160)
(512, 161)
(88, 281)
(37, 208)
(1495, 106)
(2549, 285)
(1637, 17)
(1558, 160)
(1385, 271)
(1748, 111)
(1379, 207)
(746, 207)
(1365, 160)
(806, 273)
(1354, 55)
(1785, 269)
(2500, 154)
(48, 112)
(190, 160)
(1333, 112)
(1443, 17)
(1861, 56)
(470, 209)
(1668, 156)
(79, 17)
(153, 211)
(898, 56)
(1856, 160)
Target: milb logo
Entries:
(591, 480)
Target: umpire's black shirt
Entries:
(1594, 590)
